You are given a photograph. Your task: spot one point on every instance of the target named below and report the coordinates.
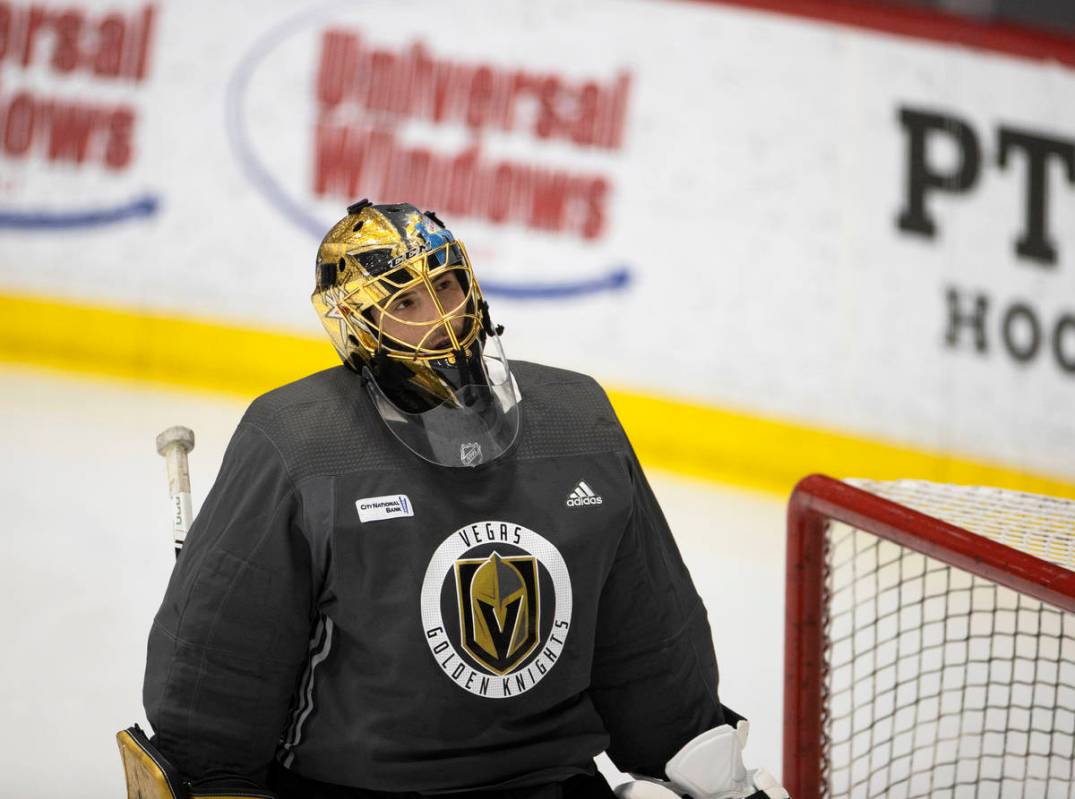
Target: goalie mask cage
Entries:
(929, 642)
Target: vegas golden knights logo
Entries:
(496, 608)
(499, 609)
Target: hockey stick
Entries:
(174, 444)
(148, 773)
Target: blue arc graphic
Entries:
(615, 279)
(143, 206)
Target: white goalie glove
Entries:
(709, 766)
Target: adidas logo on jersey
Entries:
(582, 495)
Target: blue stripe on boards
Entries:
(615, 279)
(144, 206)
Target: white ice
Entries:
(87, 553)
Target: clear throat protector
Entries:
(475, 423)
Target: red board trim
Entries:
(920, 23)
(815, 501)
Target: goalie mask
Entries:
(397, 295)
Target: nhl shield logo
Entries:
(499, 609)
(470, 453)
(496, 608)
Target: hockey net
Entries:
(930, 642)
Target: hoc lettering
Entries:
(1024, 332)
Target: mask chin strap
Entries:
(487, 322)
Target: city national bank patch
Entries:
(496, 608)
(376, 509)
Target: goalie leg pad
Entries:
(149, 774)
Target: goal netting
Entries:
(930, 642)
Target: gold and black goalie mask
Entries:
(395, 282)
(397, 295)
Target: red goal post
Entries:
(901, 642)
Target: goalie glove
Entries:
(709, 766)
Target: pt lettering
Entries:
(1033, 155)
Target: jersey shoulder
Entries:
(564, 413)
(322, 425)
(535, 374)
(329, 386)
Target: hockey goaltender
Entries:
(426, 572)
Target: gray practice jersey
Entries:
(374, 620)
